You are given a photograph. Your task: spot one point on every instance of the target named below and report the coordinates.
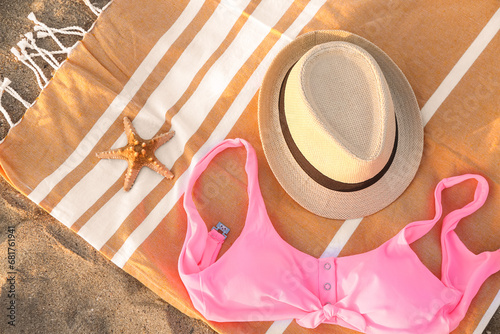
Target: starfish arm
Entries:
(131, 175)
(112, 154)
(130, 131)
(139, 153)
(159, 140)
(160, 168)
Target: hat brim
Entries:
(299, 185)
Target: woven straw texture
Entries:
(339, 111)
(311, 195)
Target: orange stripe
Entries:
(162, 69)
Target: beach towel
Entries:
(195, 67)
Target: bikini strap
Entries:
(461, 269)
(418, 229)
(201, 247)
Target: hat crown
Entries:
(281, 98)
(340, 112)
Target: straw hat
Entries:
(339, 124)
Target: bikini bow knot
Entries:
(331, 312)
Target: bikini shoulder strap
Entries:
(418, 229)
(461, 269)
(201, 247)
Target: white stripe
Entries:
(341, 237)
(118, 104)
(186, 122)
(147, 122)
(226, 124)
(490, 312)
(279, 326)
(461, 67)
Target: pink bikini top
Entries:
(386, 290)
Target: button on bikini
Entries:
(385, 290)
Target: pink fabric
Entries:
(386, 290)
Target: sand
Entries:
(58, 282)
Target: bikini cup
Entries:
(357, 291)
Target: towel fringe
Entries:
(93, 8)
(18, 97)
(4, 87)
(27, 50)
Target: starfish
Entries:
(139, 153)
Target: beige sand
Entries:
(63, 285)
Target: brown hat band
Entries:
(310, 170)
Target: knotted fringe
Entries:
(93, 8)
(27, 49)
(4, 87)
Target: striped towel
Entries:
(196, 67)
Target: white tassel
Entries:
(18, 97)
(6, 82)
(45, 54)
(73, 30)
(4, 87)
(33, 18)
(7, 117)
(35, 68)
(93, 8)
(29, 43)
(22, 45)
